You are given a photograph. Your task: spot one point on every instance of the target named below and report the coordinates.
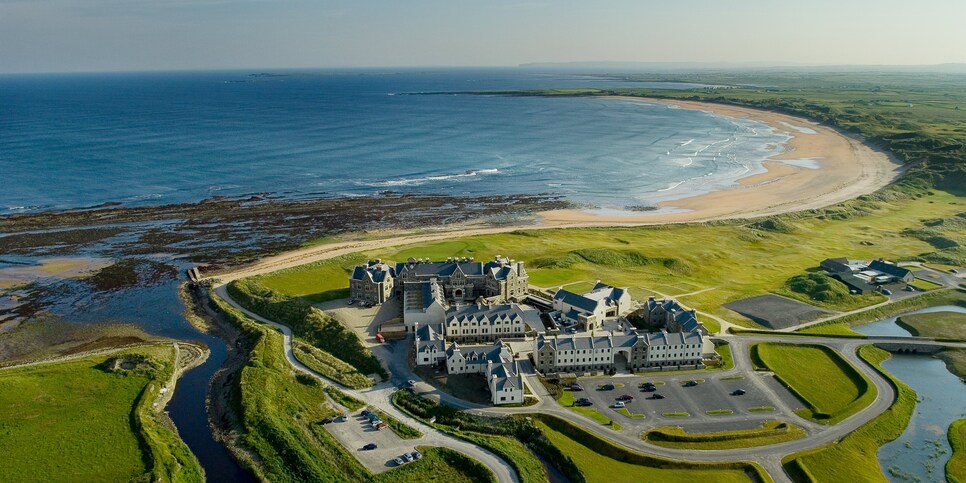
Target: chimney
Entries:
(519, 267)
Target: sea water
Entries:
(155, 138)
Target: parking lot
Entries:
(712, 394)
(356, 432)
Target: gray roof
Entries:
(889, 268)
(441, 269)
(687, 320)
(673, 338)
(576, 300)
(377, 272)
(428, 337)
(489, 313)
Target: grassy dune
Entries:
(78, 421)
(830, 387)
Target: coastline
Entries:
(846, 169)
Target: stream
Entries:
(922, 451)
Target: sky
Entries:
(125, 35)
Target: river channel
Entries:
(922, 451)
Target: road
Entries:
(378, 397)
(769, 457)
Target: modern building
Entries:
(633, 352)
(588, 310)
(866, 277)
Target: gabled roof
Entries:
(577, 300)
(889, 268)
(440, 269)
(375, 272)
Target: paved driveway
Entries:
(710, 395)
(356, 432)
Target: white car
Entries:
(618, 404)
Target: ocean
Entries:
(80, 140)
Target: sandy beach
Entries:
(846, 169)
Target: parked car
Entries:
(625, 397)
(411, 383)
(407, 457)
(886, 291)
(576, 387)
(690, 383)
(607, 387)
(657, 396)
(351, 301)
(327, 420)
(399, 461)
(582, 402)
(738, 392)
(369, 447)
(416, 455)
(366, 412)
(380, 425)
(618, 404)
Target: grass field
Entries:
(600, 461)
(948, 325)
(771, 432)
(77, 421)
(856, 454)
(736, 259)
(830, 387)
(956, 466)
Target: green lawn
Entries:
(771, 432)
(599, 461)
(829, 386)
(737, 258)
(956, 466)
(627, 413)
(925, 285)
(76, 421)
(948, 325)
(317, 282)
(856, 454)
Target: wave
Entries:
(429, 179)
(671, 186)
(689, 141)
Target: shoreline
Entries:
(846, 169)
(761, 194)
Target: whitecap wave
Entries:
(429, 179)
